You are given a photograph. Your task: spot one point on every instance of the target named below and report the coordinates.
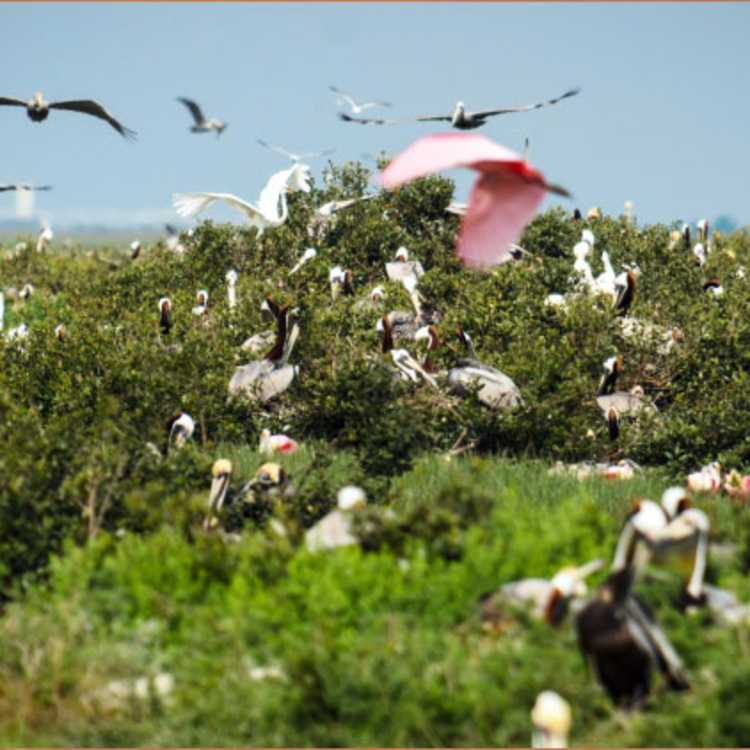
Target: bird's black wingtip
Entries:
(346, 118)
(129, 135)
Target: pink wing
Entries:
(440, 151)
(503, 199)
(501, 204)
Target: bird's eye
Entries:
(265, 477)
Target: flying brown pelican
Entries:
(18, 186)
(201, 124)
(460, 118)
(619, 635)
(551, 717)
(269, 377)
(547, 599)
(357, 107)
(496, 389)
(37, 110)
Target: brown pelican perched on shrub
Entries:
(407, 368)
(181, 428)
(221, 473)
(551, 718)
(615, 404)
(37, 110)
(548, 599)
(200, 123)
(671, 529)
(618, 634)
(267, 378)
(496, 389)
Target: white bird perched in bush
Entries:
(135, 249)
(272, 209)
(231, 279)
(334, 529)
(401, 268)
(307, 256)
(45, 237)
(202, 299)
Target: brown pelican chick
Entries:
(165, 315)
(202, 299)
(341, 282)
(621, 403)
(618, 634)
(551, 717)
(181, 428)
(547, 599)
(496, 389)
(38, 110)
(407, 368)
(269, 377)
(221, 472)
(334, 530)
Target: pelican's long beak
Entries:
(218, 492)
(587, 569)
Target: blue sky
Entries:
(662, 119)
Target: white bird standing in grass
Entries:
(201, 124)
(272, 209)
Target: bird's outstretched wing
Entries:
(4, 188)
(190, 204)
(90, 107)
(195, 110)
(380, 121)
(12, 101)
(292, 156)
(172, 230)
(352, 102)
(526, 107)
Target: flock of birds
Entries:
(616, 631)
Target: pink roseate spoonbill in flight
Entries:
(201, 124)
(503, 199)
(18, 186)
(460, 118)
(295, 158)
(38, 110)
(357, 107)
(271, 210)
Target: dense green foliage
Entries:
(105, 570)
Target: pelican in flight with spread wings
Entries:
(202, 125)
(296, 158)
(17, 186)
(271, 211)
(357, 107)
(460, 118)
(37, 110)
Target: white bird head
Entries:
(377, 294)
(552, 719)
(351, 497)
(673, 500)
(202, 297)
(309, 254)
(165, 304)
(231, 277)
(402, 254)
